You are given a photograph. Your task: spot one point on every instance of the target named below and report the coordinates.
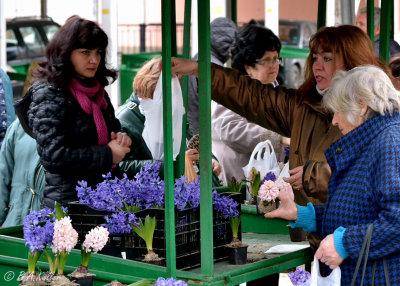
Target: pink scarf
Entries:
(82, 94)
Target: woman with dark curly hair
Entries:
(255, 53)
(71, 116)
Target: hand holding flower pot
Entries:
(267, 199)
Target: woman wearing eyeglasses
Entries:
(255, 53)
(297, 114)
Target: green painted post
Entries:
(206, 213)
(371, 20)
(234, 11)
(321, 22)
(386, 16)
(180, 169)
(168, 147)
(173, 29)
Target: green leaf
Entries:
(144, 282)
(146, 230)
(235, 222)
(59, 214)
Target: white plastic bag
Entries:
(317, 280)
(153, 133)
(263, 159)
(283, 174)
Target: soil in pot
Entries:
(264, 207)
(32, 279)
(58, 280)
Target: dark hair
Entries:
(349, 43)
(76, 33)
(252, 42)
(394, 65)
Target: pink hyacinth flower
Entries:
(96, 239)
(65, 236)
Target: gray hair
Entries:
(377, 15)
(366, 83)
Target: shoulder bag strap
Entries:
(365, 252)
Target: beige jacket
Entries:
(233, 141)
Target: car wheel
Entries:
(294, 77)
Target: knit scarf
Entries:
(82, 95)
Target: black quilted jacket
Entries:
(67, 142)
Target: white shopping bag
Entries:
(317, 280)
(283, 174)
(153, 132)
(263, 159)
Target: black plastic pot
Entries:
(297, 234)
(237, 254)
(83, 281)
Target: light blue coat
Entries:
(22, 177)
(9, 97)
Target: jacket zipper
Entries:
(35, 185)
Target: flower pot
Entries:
(264, 207)
(237, 253)
(82, 279)
(297, 234)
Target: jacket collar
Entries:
(345, 150)
(314, 101)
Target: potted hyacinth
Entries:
(65, 238)
(95, 240)
(228, 207)
(38, 233)
(48, 228)
(234, 185)
(267, 198)
(254, 179)
(159, 282)
(300, 277)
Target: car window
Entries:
(11, 38)
(50, 30)
(307, 33)
(31, 36)
(289, 34)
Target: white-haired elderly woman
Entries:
(365, 184)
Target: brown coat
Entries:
(302, 118)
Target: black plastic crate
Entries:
(187, 234)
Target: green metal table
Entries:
(13, 263)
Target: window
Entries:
(50, 30)
(31, 36)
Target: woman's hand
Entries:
(327, 253)
(193, 154)
(216, 167)
(118, 151)
(122, 139)
(296, 178)
(287, 208)
(184, 67)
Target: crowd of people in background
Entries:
(341, 124)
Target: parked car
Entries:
(27, 37)
(26, 40)
(295, 34)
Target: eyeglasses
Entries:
(269, 61)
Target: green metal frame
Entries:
(14, 253)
